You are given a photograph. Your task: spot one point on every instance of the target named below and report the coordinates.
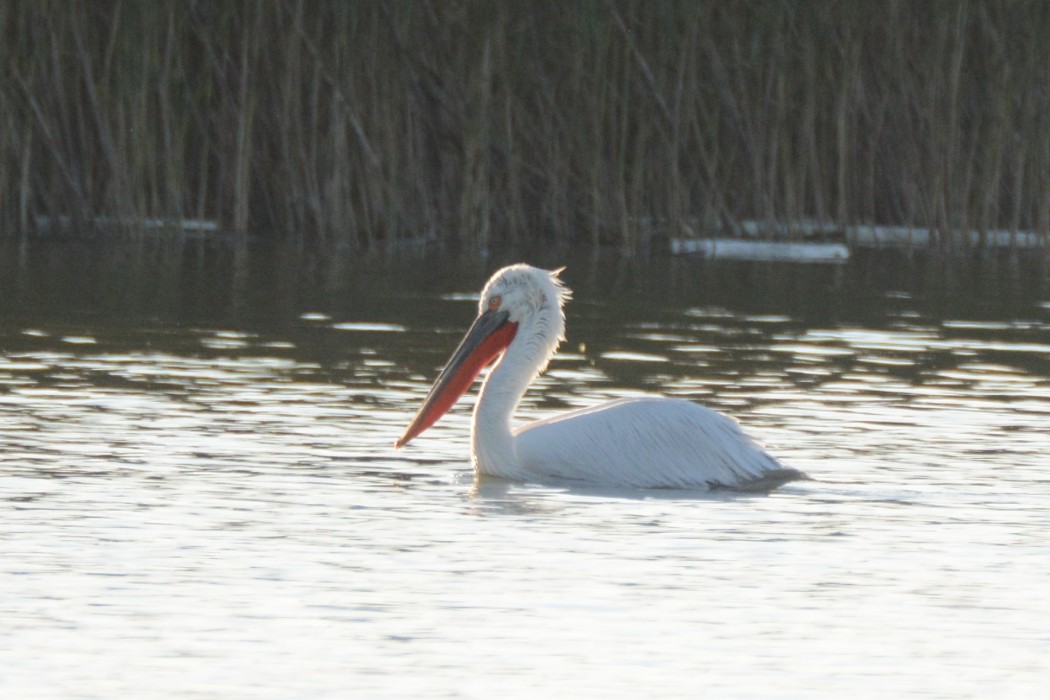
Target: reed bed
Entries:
(379, 124)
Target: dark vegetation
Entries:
(378, 124)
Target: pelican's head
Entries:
(518, 297)
(530, 296)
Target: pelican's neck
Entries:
(492, 437)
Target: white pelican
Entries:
(650, 442)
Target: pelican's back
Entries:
(648, 443)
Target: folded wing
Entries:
(647, 443)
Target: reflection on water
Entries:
(200, 497)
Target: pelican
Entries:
(647, 443)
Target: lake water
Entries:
(199, 496)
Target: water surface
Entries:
(200, 498)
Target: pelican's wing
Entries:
(645, 443)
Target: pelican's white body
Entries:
(642, 442)
(649, 442)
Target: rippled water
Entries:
(200, 498)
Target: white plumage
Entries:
(649, 442)
(644, 442)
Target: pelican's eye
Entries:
(494, 302)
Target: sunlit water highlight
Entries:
(209, 506)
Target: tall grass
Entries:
(382, 123)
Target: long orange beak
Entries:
(487, 338)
